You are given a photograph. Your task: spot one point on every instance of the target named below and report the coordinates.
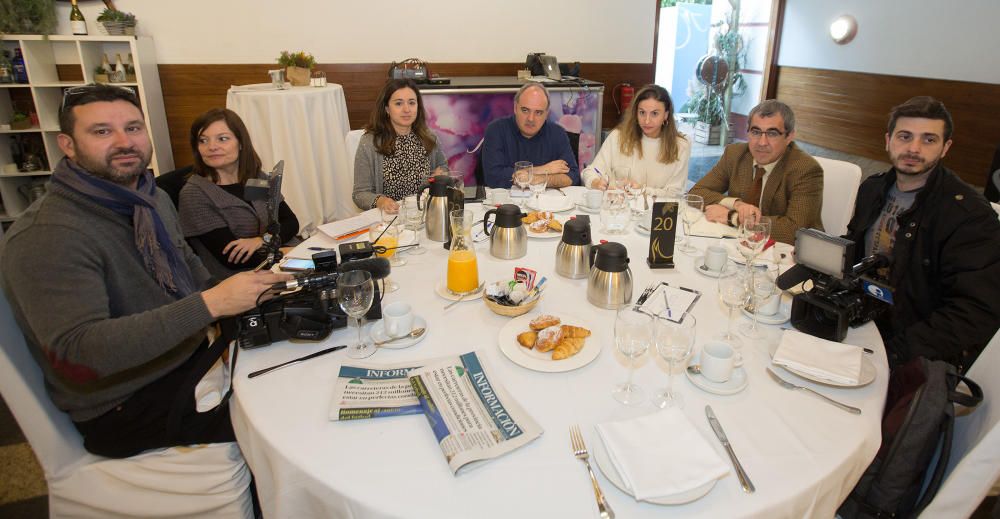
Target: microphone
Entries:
(793, 276)
(867, 263)
(377, 267)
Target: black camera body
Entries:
(839, 298)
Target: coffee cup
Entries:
(397, 318)
(716, 257)
(592, 199)
(769, 306)
(718, 359)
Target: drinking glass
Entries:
(386, 236)
(414, 220)
(355, 292)
(635, 188)
(753, 236)
(676, 194)
(763, 288)
(537, 184)
(734, 291)
(674, 341)
(633, 335)
(614, 211)
(691, 208)
(522, 178)
(619, 178)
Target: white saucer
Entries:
(442, 290)
(737, 381)
(700, 262)
(554, 203)
(642, 228)
(867, 375)
(586, 209)
(608, 468)
(780, 317)
(737, 257)
(377, 332)
(538, 361)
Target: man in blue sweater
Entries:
(528, 135)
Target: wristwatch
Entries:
(732, 217)
(267, 237)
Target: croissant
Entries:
(527, 339)
(548, 339)
(567, 347)
(530, 218)
(543, 321)
(555, 225)
(575, 332)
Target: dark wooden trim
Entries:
(770, 85)
(848, 111)
(656, 36)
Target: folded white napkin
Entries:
(660, 454)
(825, 360)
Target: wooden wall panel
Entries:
(848, 111)
(190, 90)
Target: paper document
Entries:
(707, 229)
(681, 300)
(338, 229)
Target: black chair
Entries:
(574, 144)
(172, 183)
(992, 190)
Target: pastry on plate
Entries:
(576, 332)
(567, 347)
(527, 339)
(548, 339)
(543, 321)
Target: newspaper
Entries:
(373, 391)
(472, 417)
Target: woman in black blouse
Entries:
(213, 212)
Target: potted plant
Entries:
(298, 66)
(117, 23)
(101, 75)
(20, 121)
(130, 73)
(27, 16)
(707, 94)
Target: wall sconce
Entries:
(844, 29)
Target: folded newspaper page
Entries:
(373, 391)
(472, 416)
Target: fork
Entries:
(645, 294)
(580, 451)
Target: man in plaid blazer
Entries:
(768, 176)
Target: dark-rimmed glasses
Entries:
(70, 94)
(756, 133)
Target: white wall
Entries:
(366, 31)
(957, 39)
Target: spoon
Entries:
(417, 332)
(694, 369)
(464, 294)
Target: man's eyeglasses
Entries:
(71, 95)
(756, 133)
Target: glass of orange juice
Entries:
(463, 269)
(390, 240)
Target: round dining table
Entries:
(803, 455)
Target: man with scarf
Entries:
(942, 240)
(113, 303)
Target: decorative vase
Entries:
(298, 76)
(119, 28)
(705, 133)
(101, 78)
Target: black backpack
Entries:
(917, 424)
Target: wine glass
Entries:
(691, 208)
(522, 178)
(674, 341)
(414, 220)
(763, 288)
(355, 292)
(734, 291)
(537, 184)
(633, 335)
(385, 236)
(635, 188)
(753, 236)
(614, 211)
(676, 194)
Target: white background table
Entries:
(305, 127)
(803, 455)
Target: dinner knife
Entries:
(724, 440)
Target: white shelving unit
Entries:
(43, 56)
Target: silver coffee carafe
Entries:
(610, 282)
(573, 251)
(437, 208)
(508, 239)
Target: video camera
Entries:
(838, 297)
(310, 313)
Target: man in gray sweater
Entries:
(113, 303)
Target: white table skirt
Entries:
(803, 455)
(305, 127)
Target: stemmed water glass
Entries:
(676, 194)
(753, 236)
(537, 184)
(523, 173)
(633, 335)
(763, 288)
(414, 219)
(355, 292)
(691, 208)
(635, 189)
(734, 291)
(674, 341)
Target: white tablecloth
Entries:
(306, 127)
(803, 455)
